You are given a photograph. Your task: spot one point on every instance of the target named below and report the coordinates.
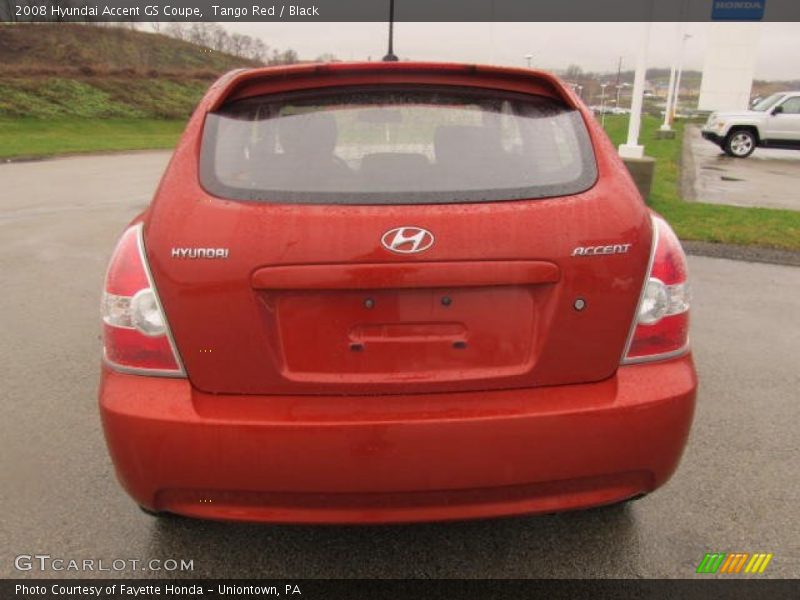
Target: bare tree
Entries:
(287, 57)
(259, 51)
(237, 43)
(216, 37)
(573, 73)
(219, 37)
(199, 33)
(176, 30)
(327, 57)
(246, 48)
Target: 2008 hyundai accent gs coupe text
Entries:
(387, 292)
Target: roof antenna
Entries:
(390, 55)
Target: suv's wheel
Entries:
(740, 143)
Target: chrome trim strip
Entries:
(181, 372)
(655, 357)
(653, 244)
(135, 371)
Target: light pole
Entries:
(529, 58)
(677, 94)
(670, 88)
(603, 104)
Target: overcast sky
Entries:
(592, 46)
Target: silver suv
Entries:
(773, 122)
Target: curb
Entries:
(89, 153)
(773, 256)
(687, 166)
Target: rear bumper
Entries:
(397, 458)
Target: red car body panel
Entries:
(247, 331)
(502, 399)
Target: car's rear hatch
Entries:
(277, 290)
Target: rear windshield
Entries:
(395, 146)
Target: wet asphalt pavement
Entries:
(768, 178)
(737, 489)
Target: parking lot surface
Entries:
(768, 178)
(735, 491)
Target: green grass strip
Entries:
(765, 227)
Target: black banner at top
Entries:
(404, 10)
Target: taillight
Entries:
(136, 335)
(661, 328)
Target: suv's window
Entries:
(791, 106)
(396, 146)
(767, 102)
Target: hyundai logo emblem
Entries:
(407, 240)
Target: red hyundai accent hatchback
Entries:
(388, 292)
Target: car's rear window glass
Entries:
(395, 146)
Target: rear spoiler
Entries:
(246, 83)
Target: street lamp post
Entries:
(671, 87)
(677, 94)
(529, 58)
(603, 104)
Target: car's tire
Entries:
(740, 143)
(620, 505)
(147, 511)
(156, 514)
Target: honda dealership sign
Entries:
(731, 54)
(737, 10)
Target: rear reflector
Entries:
(661, 328)
(136, 336)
